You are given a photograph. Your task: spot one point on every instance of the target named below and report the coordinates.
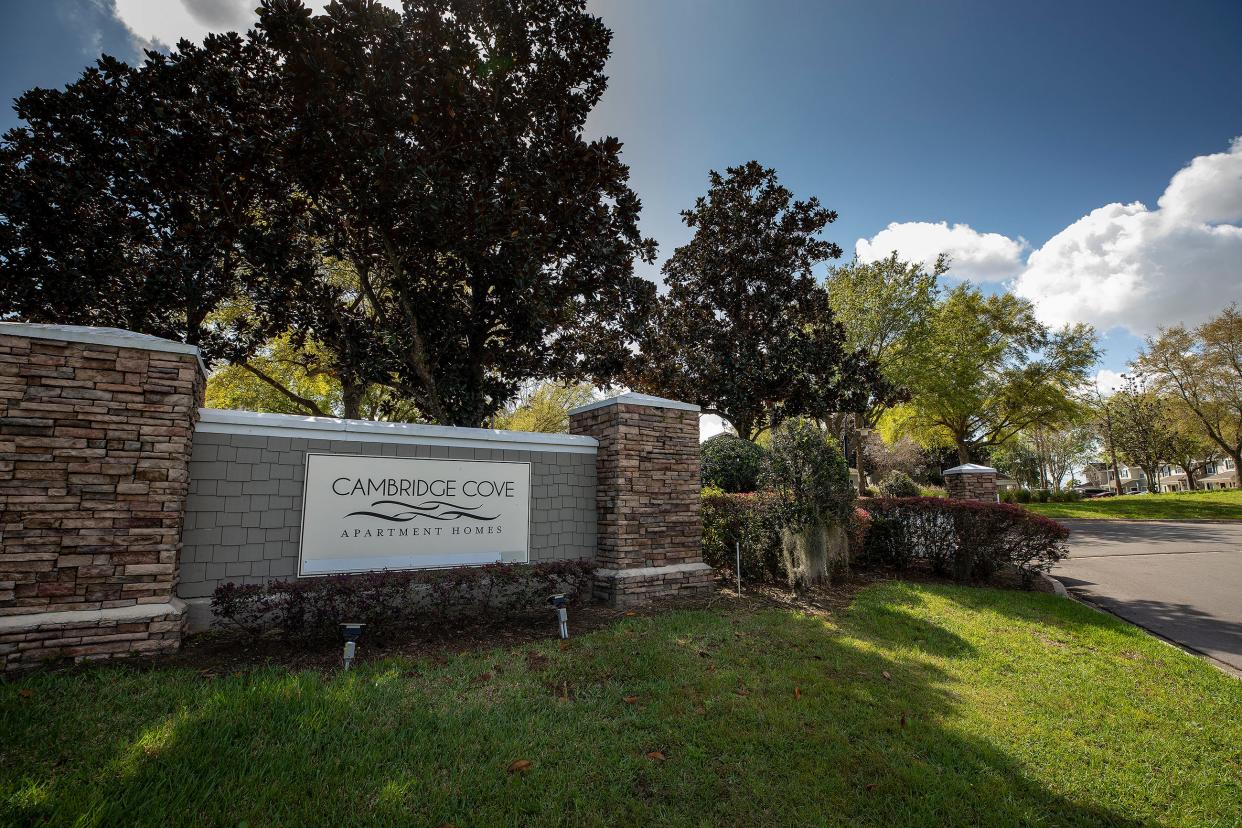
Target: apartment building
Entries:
(1217, 474)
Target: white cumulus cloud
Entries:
(1121, 265)
(167, 21)
(1130, 266)
(1107, 381)
(979, 257)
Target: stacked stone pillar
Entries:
(96, 426)
(971, 482)
(647, 501)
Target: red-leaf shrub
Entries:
(388, 601)
(970, 540)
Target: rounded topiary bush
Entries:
(898, 484)
(732, 463)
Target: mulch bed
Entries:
(225, 652)
(216, 653)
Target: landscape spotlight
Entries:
(559, 602)
(351, 632)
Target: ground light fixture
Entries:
(351, 633)
(559, 602)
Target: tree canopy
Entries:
(992, 371)
(130, 197)
(886, 308)
(1202, 367)
(745, 330)
(410, 192)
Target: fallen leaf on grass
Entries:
(25, 692)
(656, 756)
(887, 675)
(742, 692)
(564, 646)
(519, 766)
(903, 719)
(797, 692)
(871, 786)
(631, 613)
(629, 699)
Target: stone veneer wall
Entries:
(648, 501)
(971, 485)
(95, 438)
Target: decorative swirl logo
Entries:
(432, 509)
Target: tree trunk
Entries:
(858, 461)
(1116, 469)
(351, 399)
(963, 453)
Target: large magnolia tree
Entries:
(130, 197)
(407, 196)
(744, 330)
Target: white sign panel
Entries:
(369, 513)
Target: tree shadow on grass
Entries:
(686, 719)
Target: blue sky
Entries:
(1044, 135)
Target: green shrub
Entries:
(898, 484)
(731, 463)
(1023, 496)
(1009, 495)
(754, 520)
(932, 491)
(807, 475)
(1042, 495)
(747, 518)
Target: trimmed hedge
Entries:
(969, 540)
(1040, 496)
(731, 463)
(309, 608)
(751, 519)
(754, 519)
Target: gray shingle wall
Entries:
(243, 516)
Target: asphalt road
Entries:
(1182, 581)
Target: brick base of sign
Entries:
(50, 638)
(635, 587)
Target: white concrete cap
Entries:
(254, 423)
(634, 398)
(970, 468)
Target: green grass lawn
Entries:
(1223, 504)
(920, 705)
